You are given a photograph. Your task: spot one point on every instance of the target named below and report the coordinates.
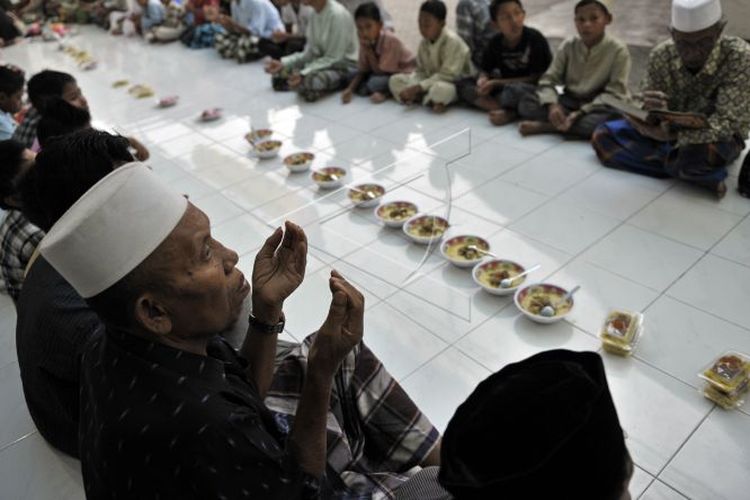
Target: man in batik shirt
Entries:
(698, 71)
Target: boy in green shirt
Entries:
(587, 67)
(443, 58)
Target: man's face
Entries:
(430, 26)
(73, 95)
(591, 22)
(12, 103)
(510, 19)
(206, 289)
(695, 48)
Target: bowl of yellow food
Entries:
(366, 195)
(329, 177)
(532, 299)
(425, 229)
(267, 149)
(490, 275)
(258, 135)
(299, 162)
(395, 213)
(465, 251)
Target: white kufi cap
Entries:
(112, 228)
(690, 16)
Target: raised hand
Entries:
(342, 330)
(279, 270)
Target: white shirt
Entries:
(299, 20)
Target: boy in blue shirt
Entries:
(11, 99)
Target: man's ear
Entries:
(152, 316)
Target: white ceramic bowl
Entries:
(267, 149)
(482, 274)
(385, 213)
(258, 135)
(440, 226)
(556, 291)
(358, 195)
(457, 243)
(329, 177)
(299, 162)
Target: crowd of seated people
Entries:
(122, 293)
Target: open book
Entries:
(656, 116)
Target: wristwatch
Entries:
(264, 328)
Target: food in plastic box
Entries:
(728, 372)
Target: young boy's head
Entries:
(66, 169)
(50, 84)
(508, 17)
(11, 89)
(142, 3)
(60, 118)
(15, 161)
(592, 18)
(432, 15)
(369, 21)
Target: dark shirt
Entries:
(54, 324)
(532, 56)
(157, 422)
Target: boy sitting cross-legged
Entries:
(513, 61)
(587, 66)
(443, 59)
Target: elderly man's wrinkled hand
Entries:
(661, 132)
(655, 99)
(342, 330)
(279, 270)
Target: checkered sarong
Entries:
(243, 48)
(376, 433)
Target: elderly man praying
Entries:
(700, 71)
(170, 410)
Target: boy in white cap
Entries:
(700, 71)
(170, 410)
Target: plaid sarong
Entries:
(18, 240)
(376, 434)
(619, 145)
(26, 132)
(243, 48)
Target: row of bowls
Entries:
(427, 229)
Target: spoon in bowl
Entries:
(508, 282)
(549, 310)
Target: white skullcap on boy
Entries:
(690, 16)
(112, 228)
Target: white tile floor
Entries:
(664, 249)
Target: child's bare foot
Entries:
(533, 128)
(502, 117)
(439, 108)
(377, 98)
(721, 190)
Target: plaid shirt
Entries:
(719, 90)
(26, 132)
(474, 25)
(18, 240)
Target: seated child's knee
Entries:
(442, 93)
